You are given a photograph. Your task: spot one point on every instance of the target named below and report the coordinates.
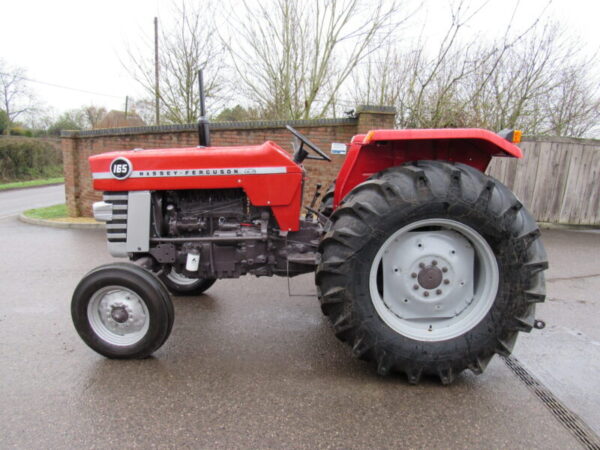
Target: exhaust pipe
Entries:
(203, 131)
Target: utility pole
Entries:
(126, 105)
(156, 91)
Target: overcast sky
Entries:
(79, 44)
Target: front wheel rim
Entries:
(434, 280)
(118, 315)
(180, 279)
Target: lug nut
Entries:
(434, 263)
(438, 292)
(426, 294)
(444, 269)
(446, 281)
(416, 287)
(422, 265)
(414, 275)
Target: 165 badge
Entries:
(121, 168)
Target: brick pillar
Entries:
(375, 118)
(71, 172)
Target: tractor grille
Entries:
(116, 229)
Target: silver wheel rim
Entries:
(118, 315)
(180, 279)
(434, 285)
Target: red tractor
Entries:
(424, 264)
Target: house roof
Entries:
(117, 119)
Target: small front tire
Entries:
(122, 311)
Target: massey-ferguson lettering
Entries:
(424, 264)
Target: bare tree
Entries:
(429, 89)
(93, 114)
(188, 44)
(293, 56)
(15, 97)
(144, 108)
(575, 104)
(534, 80)
(73, 119)
(543, 85)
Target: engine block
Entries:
(227, 236)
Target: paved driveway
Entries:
(14, 201)
(248, 366)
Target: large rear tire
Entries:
(431, 268)
(326, 205)
(122, 311)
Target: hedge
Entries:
(28, 159)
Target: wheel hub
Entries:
(430, 277)
(118, 315)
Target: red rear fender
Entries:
(380, 149)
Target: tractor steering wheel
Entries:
(300, 154)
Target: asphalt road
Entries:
(247, 366)
(12, 202)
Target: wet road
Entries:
(248, 366)
(566, 354)
(15, 201)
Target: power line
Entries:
(64, 87)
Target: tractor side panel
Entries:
(365, 160)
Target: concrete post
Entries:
(71, 173)
(372, 117)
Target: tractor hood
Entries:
(182, 168)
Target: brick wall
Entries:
(78, 146)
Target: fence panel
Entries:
(558, 179)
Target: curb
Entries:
(30, 187)
(54, 224)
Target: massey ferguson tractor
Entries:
(423, 264)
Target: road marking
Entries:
(571, 421)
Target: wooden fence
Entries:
(558, 179)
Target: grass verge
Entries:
(23, 184)
(49, 212)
